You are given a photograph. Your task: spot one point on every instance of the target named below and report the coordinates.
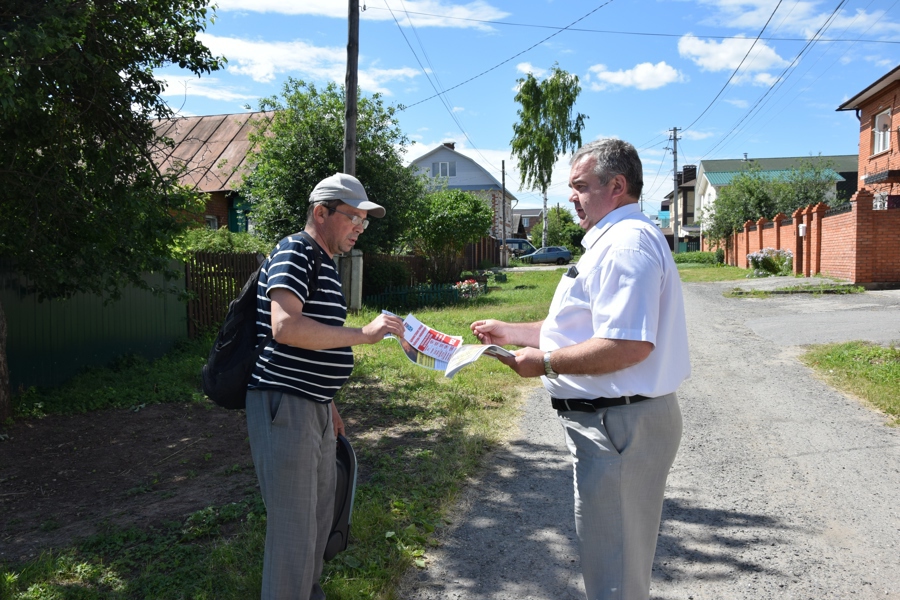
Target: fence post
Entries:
(350, 266)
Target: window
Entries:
(525, 221)
(212, 222)
(443, 169)
(881, 132)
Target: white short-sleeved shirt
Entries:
(626, 288)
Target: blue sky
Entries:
(645, 66)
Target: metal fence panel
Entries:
(49, 342)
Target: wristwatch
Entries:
(548, 370)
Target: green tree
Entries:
(447, 220)
(562, 230)
(753, 194)
(84, 208)
(546, 128)
(304, 143)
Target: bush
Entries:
(720, 256)
(770, 261)
(703, 258)
(220, 240)
(380, 275)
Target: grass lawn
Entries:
(865, 370)
(417, 435)
(697, 273)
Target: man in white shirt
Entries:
(612, 351)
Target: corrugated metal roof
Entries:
(842, 163)
(213, 149)
(725, 177)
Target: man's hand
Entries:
(381, 326)
(338, 422)
(491, 331)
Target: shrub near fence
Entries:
(414, 297)
(213, 280)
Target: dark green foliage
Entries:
(304, 144)
(84, 208)
(447, 220)
(720, 256)
(380, 275)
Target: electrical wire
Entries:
(513, 57)
(780, 78)
(749, 50)
(635, 33)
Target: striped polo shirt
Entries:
(313, 374)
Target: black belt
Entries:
(564, 404)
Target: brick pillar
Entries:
(818, 213)
(807, 242)
(777, 219)
(798, 241)
(747, 225)
(759, 232)
(863, 238)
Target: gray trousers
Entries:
(293, 447)
(622, 456)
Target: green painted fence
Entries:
(49, 342)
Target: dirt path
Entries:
(783, 488)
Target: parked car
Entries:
(518, 247)
(549, 254)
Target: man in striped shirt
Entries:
(291, 418)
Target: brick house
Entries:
(213, 151)
(878, 110)
(526, 219)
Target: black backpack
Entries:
(344, 492)
(228, 369)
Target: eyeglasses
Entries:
(356, 220)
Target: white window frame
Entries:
(212, 222)
(881, 132)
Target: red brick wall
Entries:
(859, 245)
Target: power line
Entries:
(513, 57)
(749, 50)
(781, 77)
(636, 33)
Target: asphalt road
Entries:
(783, 488)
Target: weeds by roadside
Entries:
(868, 371)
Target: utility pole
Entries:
(350, 86)
(504, 251)
(675, 198)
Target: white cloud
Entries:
(457, 109)
(691, 134)
(738, 103)
(421, 13)
(208, 87)
(526, 68)
(262, 61)
(645, 76)
(712, 55)
(802, 17)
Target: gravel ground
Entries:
(783, 487)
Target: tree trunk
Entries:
(546, 221)
(5, 397)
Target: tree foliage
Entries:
(546, 127)
(753, 194)
(84, 209)
(562, 230)
(304, 144)
(447, 220)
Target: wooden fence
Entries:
(213, 281)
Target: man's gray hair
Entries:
(614, 157)
(329, 204)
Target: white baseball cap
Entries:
(348, 189)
